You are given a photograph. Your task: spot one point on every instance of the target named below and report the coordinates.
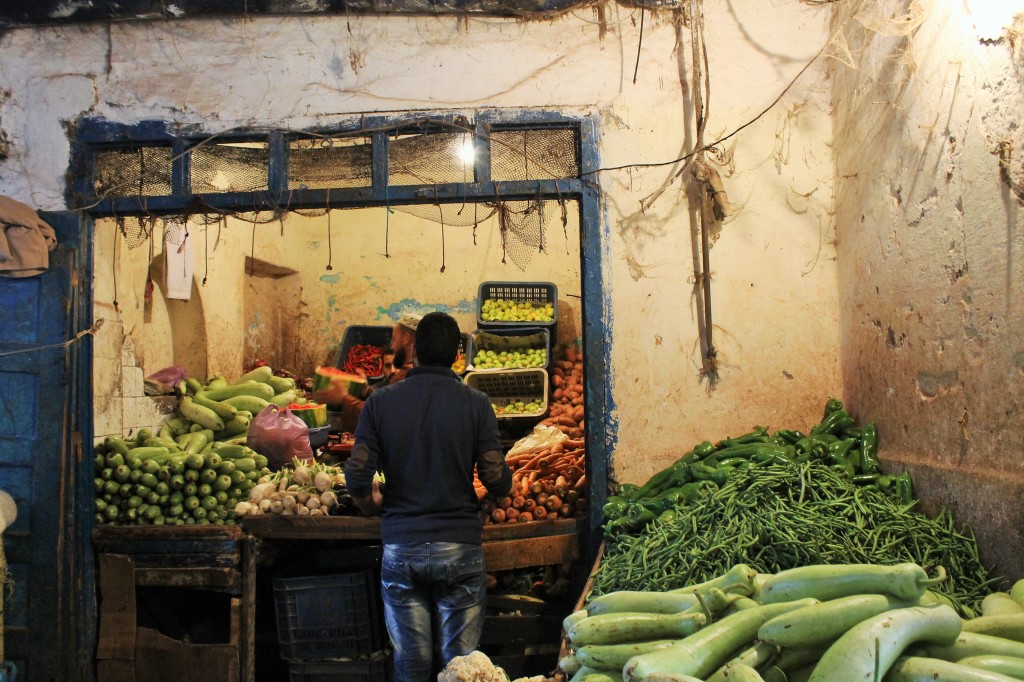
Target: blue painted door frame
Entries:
(43, 424)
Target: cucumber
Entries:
(285, 399)
(261, 374)
(222, 410)
(281, 384)
(247, 388)
(252, 404)
(204, 416)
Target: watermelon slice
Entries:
(313, 414)
(330, 384)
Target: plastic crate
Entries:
(328, 616)
(532, 292)
(340, 671)
(355, 335)
(513, 385)
(510, 340)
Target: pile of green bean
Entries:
(780, 516)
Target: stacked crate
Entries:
(524, 321)
(331, 627)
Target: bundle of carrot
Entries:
(548, 483)
(566, 402)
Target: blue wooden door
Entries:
(42, 463)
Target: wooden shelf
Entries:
(506, 545)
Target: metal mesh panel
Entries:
(524, 225)
(544, 154)
(433, 159)
(145, 171)
(230, 167)
(327, 163)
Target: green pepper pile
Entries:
(836, 441)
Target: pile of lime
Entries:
(519, 407)
(516, 359)
(509, 310)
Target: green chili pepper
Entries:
(885, 482)
(854, 455)
(833, 423)
(831, 405)
(614, 507)
(865, 479)
(690, 491)
(841, 447)
(789, 436)
(702, 472)
(639, 515)
(869, 448)
(668, 516)
(703, 449)
(627, 491)
(758, 435)
(903, 488)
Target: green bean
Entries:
(778, 516)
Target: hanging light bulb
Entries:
(466, 152)
(993, 17)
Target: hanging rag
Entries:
(25, 240)
(178, 263)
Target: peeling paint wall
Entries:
(775, 298)
(931, 251)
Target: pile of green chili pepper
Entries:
(781, 515)
(835, 441)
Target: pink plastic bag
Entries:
(279, 435)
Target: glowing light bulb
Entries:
(993, 17)
(466, 152)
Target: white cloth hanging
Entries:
(178, 263)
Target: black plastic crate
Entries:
(507, 386)
(355, 335)
(378, 670)
(510, 339)
(536, 293)
(328, 616)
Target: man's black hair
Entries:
(437, 340)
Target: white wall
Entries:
(774, 292)
(931, 251)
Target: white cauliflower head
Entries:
(474, 667)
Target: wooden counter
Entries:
(506, 545)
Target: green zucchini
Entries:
(826, 621)
(616, 628)
(1004, 665)
(703, 652)
(906, 581)
(1007, 626)
(919, 669)
(614, 656)
(871, 647)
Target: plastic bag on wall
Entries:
(280, 436)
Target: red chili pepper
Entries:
(366, 357)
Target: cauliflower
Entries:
(474, 667)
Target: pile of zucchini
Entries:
(154, 479)
(837, 623)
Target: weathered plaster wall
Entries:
(774, 278)
(931, 252)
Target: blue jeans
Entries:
(439, 584)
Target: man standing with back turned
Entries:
(425, 434)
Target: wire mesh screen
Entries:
(525, 226)
(328, 163)
(145, 171)
(431, 159)
(230, 167)
(543, 154)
